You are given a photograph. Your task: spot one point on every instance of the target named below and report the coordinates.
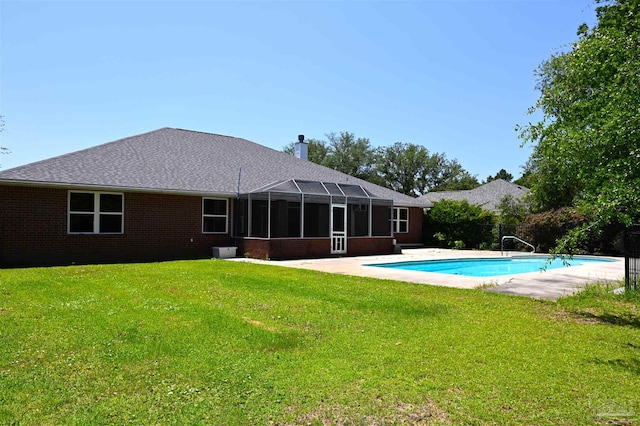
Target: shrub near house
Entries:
(458, 224)
(544, 230)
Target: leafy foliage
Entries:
(502, 174)
(412, 170)
(343, 152)
(528, 178)
(404, 167)
(456, 179)
(587, 144)
(545, 229)
(450, 221)
(511, 210)
(350, 155)
(318, 150)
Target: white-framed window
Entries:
(400, 220)
(215, 215)
(95, 213)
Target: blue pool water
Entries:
(489, 267)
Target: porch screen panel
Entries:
(259, 215)
(316, 216)
(311, 187)
(338, 200)
(358, 217)
(286, 187)
(353, 190)
(381, 214)
(285, 215)
(333, 188)
(240, 216)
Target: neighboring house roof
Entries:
(184, 161)
(488, 195)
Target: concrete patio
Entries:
(550, 284)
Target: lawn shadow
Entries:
(630, 364)
(628, 320)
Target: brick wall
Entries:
(414, 236)
(286, 248)
(368, 246)
(298, 248)
(33, 230)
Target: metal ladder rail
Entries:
(513, 237)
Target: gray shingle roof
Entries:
(184, 161)
(488, 195)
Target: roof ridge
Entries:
(209, 133)
(508, 182)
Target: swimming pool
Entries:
(490, 266)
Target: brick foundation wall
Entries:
(369, 246)
(33, 230)
(286, 248)
(414, 236)
(299, 248)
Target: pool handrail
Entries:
(513, 237)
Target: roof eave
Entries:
(94, 187)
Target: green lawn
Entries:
(219, 342)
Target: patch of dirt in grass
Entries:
(427, 414)
(615, 422)
(557, 314)
(564, 316)
(259, 324)
(618, 314)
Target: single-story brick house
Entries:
(175, 194)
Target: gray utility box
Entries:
(224, 252)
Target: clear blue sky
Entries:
(453, 76)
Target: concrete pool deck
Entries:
(550, 284)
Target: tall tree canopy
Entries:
(343, 152)
(587, 143)
(318, 150)
(407, 168)
(502, 174)
(412, 170)
(350, 155)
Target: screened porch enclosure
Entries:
(312, 209)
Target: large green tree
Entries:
(351, 155)
(407, 168)
(412, 170)
(344, 152)
(318, 150)
(455, 178)
(587, 142)
(502, 174)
